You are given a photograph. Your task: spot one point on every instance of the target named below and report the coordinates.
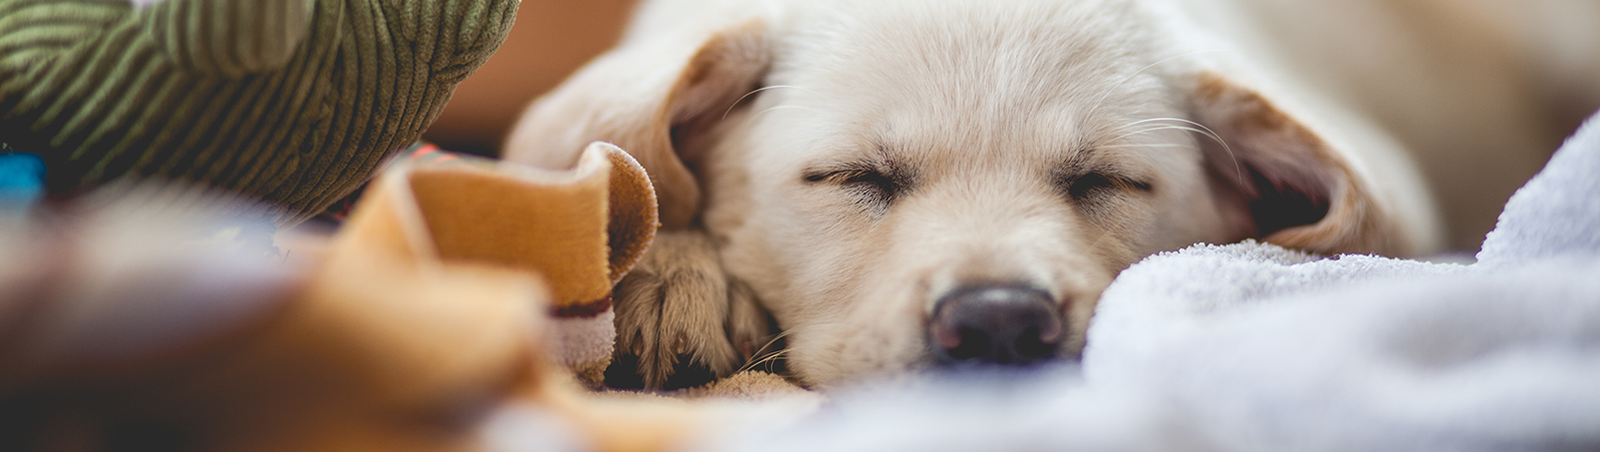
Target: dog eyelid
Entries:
(884, 184)
(845, 174)
(1133, 183)
(1089, 182)
(870, 187)
(1082, 165)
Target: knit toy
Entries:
(294, 102)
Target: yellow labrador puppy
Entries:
(906, 184)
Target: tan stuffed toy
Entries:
(457, 288)
(581, 229)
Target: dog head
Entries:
(954, 181)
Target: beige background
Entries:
(550, 40)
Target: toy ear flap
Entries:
(556, 224)
(581, 230)
(1279, 181)
(633, 213)
(651, 99)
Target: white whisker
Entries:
(754, 92)
(761, 356)
(1096, 243)
(1099, 103)
(780, 107)
(1238, 171)
(1153, 145)
(1157, 129)
(1180, 124)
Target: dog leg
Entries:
(675, 306)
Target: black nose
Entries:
(996, 324)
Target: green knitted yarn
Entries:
(293, 101)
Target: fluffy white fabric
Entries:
(1249, 347)
(584, 340)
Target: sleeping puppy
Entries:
(908, 184)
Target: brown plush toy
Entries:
(134, 325)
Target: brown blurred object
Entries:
(136, 325)
(551, 39)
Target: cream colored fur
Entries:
(843, 164)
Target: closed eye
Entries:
(855, 177)
(1089, 187)
(873, 188)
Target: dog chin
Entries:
(830, 354)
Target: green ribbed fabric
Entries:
(293, 101)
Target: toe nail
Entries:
(681, 345)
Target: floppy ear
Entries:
(1280, 181)
(648, 98)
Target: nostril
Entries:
(997, 324)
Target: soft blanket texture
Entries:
(1250, 347)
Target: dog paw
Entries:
(749, 325)
(677, 315)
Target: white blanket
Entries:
(1249, 347)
